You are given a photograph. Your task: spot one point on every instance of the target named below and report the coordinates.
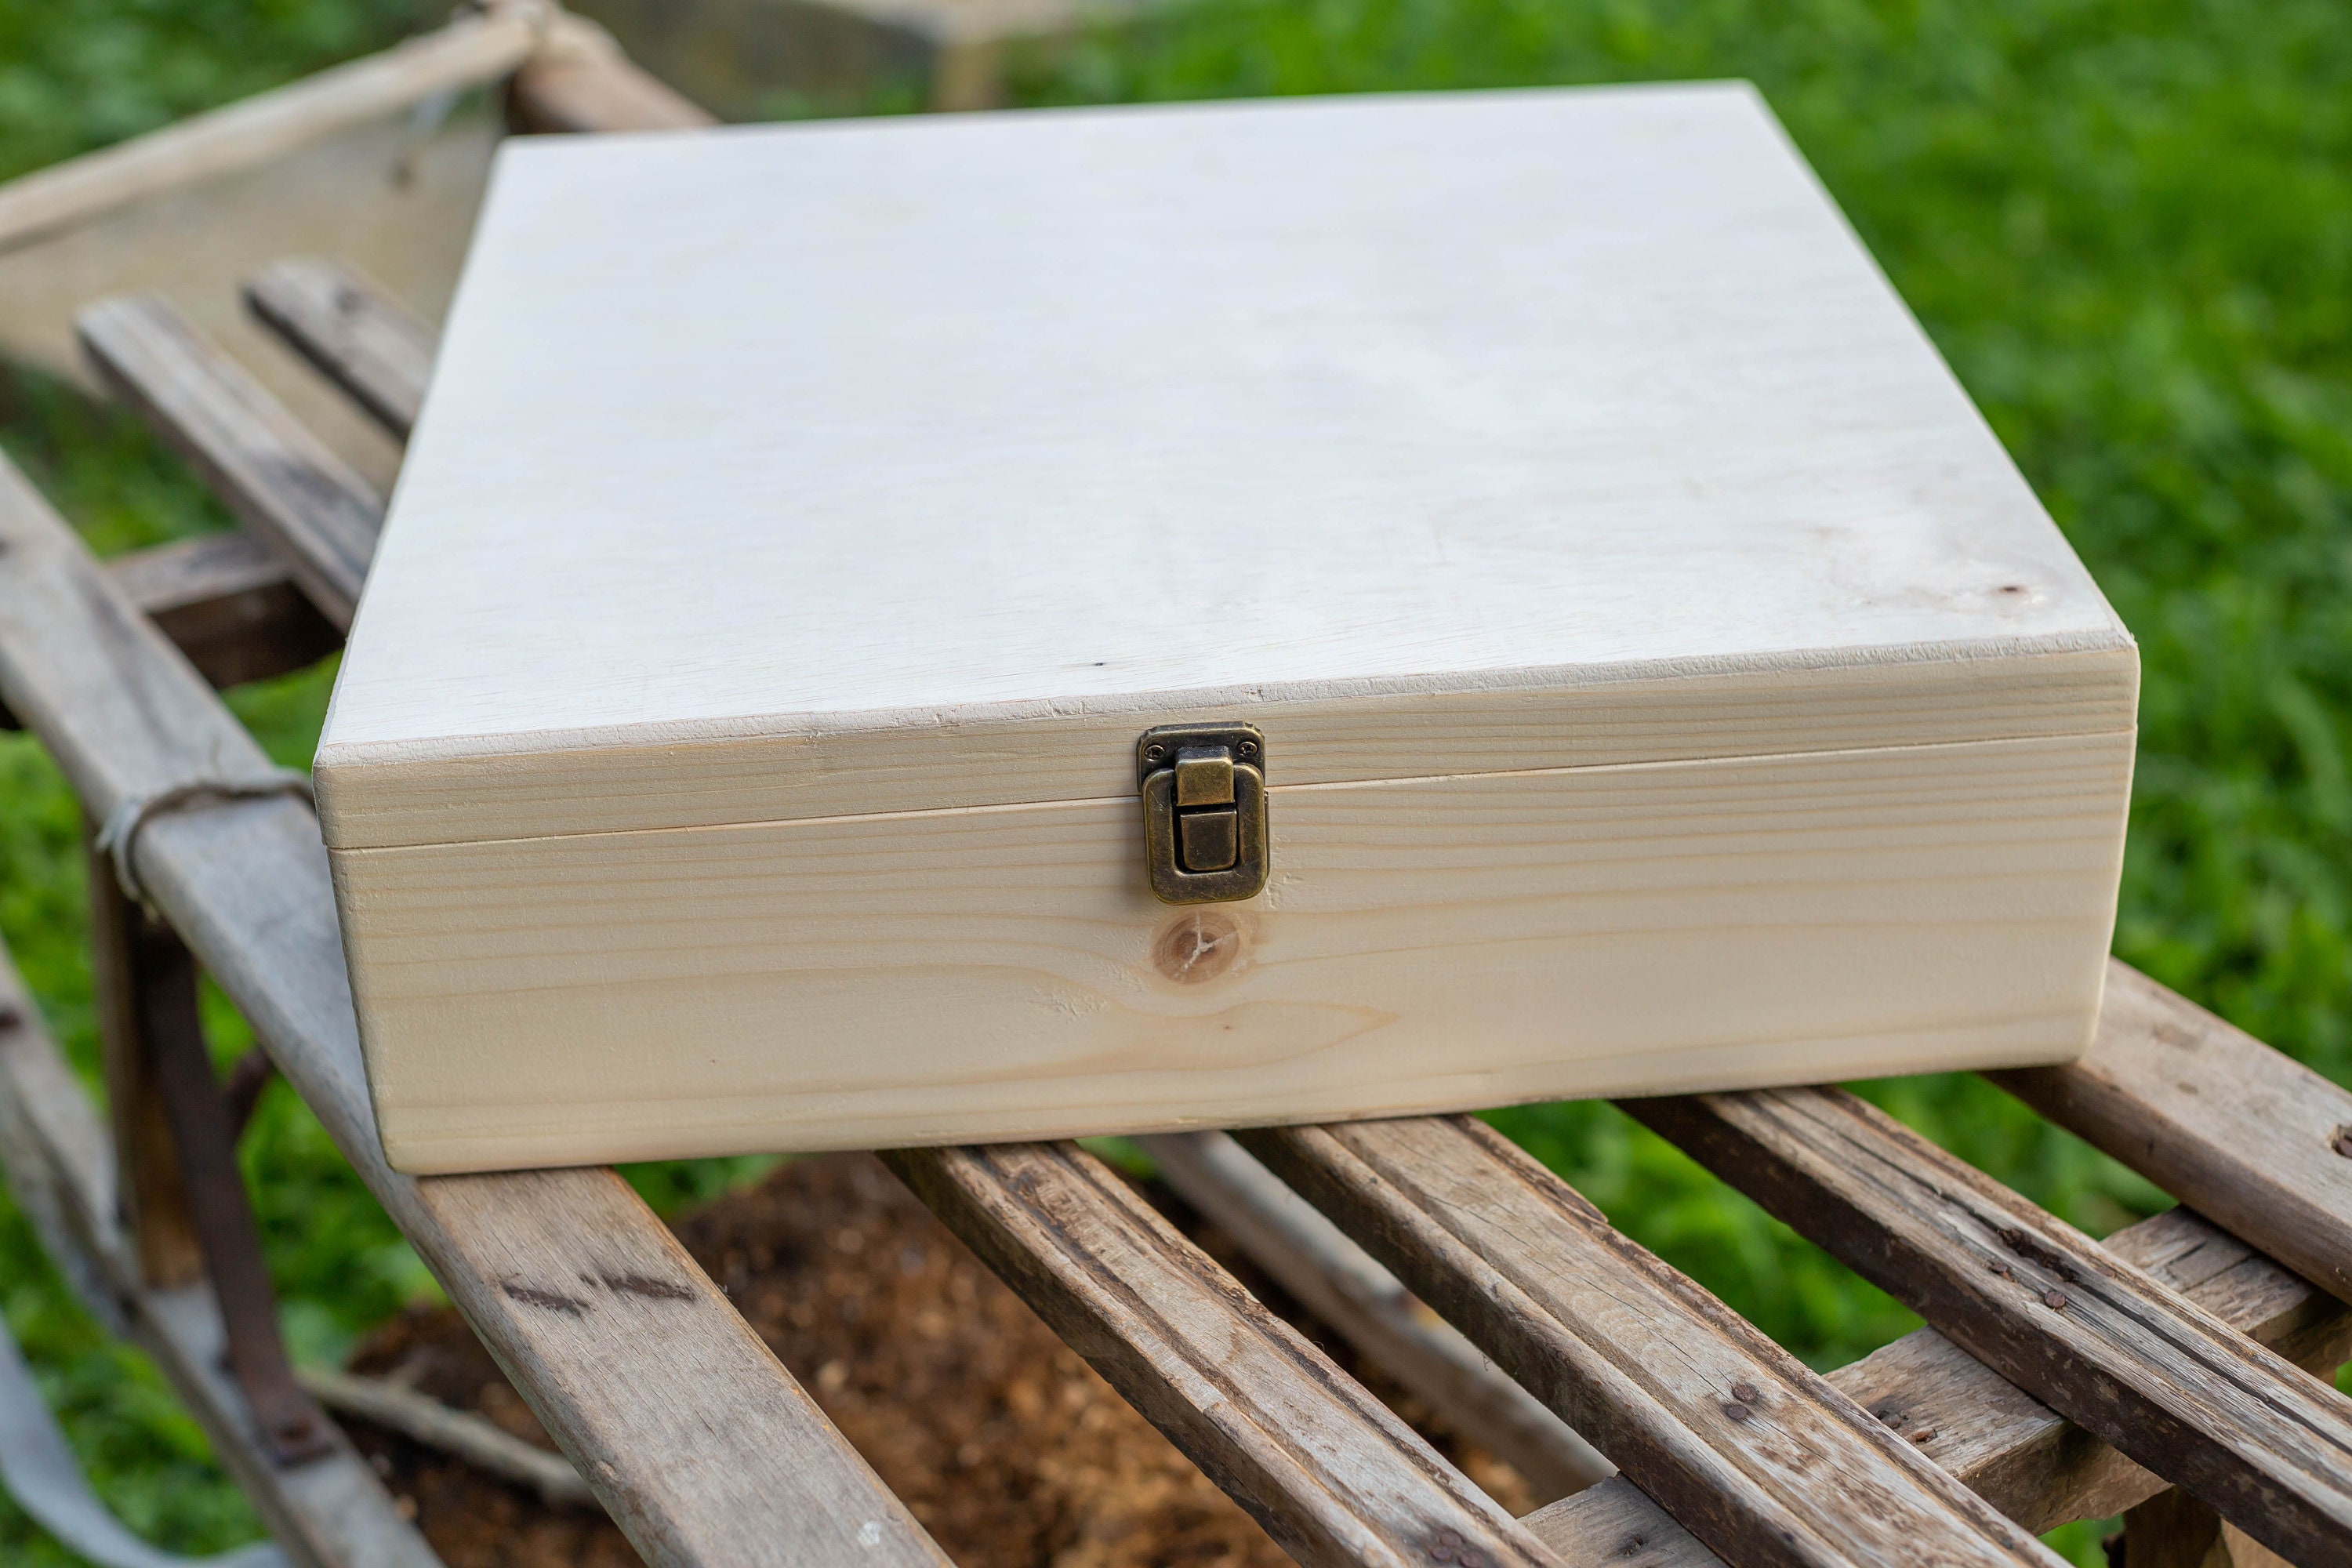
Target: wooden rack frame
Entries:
(2060, 1378)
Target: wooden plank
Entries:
(331, 1512)
(1341, 1284)
(2106, 1344)
(478, 47)
(2020, 1456)
(841, 50)
(1329, 1471)
(579, 80)
(1734, 1436)
(320, 516)
(2214, 1116)
(154, 1201)
(1429, 944)
(227, 601)
(59, 1160)
(2030, 1462)
(679, 1418)
(359, 337)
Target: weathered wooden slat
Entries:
(1342, 1284)
(357, 336)
(680, 1420)
(477, 46)
(2215, 1117)
(2105, 1343)
(331, 1512)
(1749, 1449)
(2018, 1453)
(305, 502)
(578, 79)
(59, 1160)
(1329, 1471)
(2030, 1462)
(227, 601)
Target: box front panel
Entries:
(1423, 944)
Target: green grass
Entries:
(2128, 227)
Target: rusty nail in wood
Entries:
(1924, 1435)
(1744, 1391)
(2053, 1300)
(2342, 1143)
(1738, 1411)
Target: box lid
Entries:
(909, 464)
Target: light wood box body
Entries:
(1667, 681)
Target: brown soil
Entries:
(1007, 1446)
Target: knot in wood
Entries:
(1197, 946)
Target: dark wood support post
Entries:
(138, 969)
(176, 1146)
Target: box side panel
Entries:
(528, 787)
(1424, 944)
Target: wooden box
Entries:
(1664, 681)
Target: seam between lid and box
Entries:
(372, 802)
(1613, 713)
(1276, 792)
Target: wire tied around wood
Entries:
(120, 835)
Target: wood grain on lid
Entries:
(836, 434)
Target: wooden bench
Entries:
(2060, 1378)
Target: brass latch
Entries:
(1203, 811)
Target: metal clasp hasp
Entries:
(1205, 833)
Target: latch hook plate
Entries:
(1204, 834)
